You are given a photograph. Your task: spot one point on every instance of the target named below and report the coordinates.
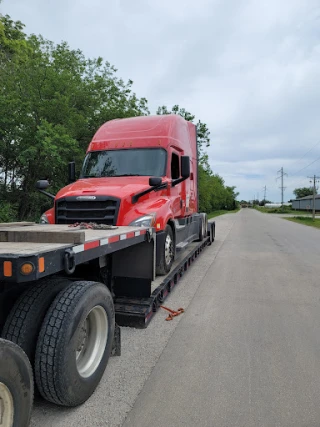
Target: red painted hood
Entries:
(120, 187)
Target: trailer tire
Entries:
(25, 319)
(75, 343)
(166, 256)
(16, 386)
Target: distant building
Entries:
(305, 203)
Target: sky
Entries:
(249, 69)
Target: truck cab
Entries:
(139, 171)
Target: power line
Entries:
(305, 167)
(295, 182)
(307, 152)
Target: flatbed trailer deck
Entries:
(80, 245)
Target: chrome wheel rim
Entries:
(6, 406)
(168, 249)
(92, 341)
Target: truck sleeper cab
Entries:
(138, 171)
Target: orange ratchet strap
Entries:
(172, 313)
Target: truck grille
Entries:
(102, 210)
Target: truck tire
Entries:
(213, 232)
(203, 227)
(74, 343)
(166, 256)
(8, 298)
(25, 318)
(16, 386)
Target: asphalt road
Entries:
(246, 352)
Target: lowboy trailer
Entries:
(64, 291)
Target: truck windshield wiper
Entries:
(110, 176)
(127, 174)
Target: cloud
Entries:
(247, 68)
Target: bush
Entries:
(8, 212)
(284, 209)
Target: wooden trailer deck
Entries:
(31, 239)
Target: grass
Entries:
(305, 221)
(221, 212)
(284, 210)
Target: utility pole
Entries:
(265, 193)
(282, 174)
(314, 177)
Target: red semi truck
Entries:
(140, 171)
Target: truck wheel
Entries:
(16, 386)
(203, 227)
(213, 232)
(25, 319)
(74, 343)
(166, 256)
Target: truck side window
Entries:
(175, 172)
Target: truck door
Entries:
(177, 193)
(191, 190)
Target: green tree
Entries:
(263, 202)
(12, 39)
(302, 192)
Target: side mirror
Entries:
(42, 184)
(72, 172)
(185, 167)
(155, 181)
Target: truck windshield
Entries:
(129, 162)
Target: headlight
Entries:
(144, 221)
(44, 219)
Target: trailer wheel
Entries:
(166, 255)
(203, 227)
(74, 343)
(16, 386)
(25, 319)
